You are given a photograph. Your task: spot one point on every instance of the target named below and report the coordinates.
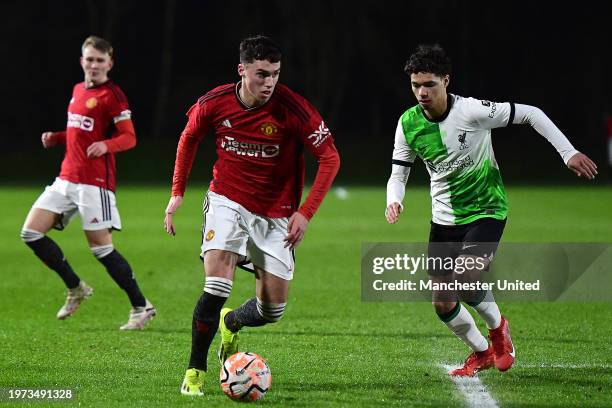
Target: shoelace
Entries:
(73, 294)
(135, 313)
(471, 358)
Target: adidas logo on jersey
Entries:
(226, 123)
(94, 221)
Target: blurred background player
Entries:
(99, 125)
(252, 213)
(452, 135)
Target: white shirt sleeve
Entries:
(526, 114)
(403, 157)
(487, 114)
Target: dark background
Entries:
(345, 57)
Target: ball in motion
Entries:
(245, 376)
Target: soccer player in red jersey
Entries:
(253, 217)
(99, 125)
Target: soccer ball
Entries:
(245, 377)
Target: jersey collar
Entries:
(96, 86)
(450, 100)
(244, 105)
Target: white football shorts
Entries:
(257, 239)
(96, 206)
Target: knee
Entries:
(220, 263)
(443, 308)
(30, 235)
(270, 312)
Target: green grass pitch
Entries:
(330, 349)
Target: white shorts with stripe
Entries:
(96, 206)
(257, 239)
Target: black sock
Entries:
(245, 315)
(51, 254)
(122, 274)
(204, 325)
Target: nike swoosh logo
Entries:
(512, 353)
(468, 246)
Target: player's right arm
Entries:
(185, 154)
(50, 139)
(403, 157)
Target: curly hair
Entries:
(259, 48)
(429, 58)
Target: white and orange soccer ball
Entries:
(245, 377)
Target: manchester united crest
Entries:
(268, 129)
(91, 103)
(210, 235)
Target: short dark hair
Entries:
(99, 44)
(260, 48)
(429, 58)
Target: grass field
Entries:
(330, 349)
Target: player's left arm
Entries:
(491, 115)
(320, 144)
(578, 162)
(124, 138)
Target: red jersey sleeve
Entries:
(318, 140)
(124, 137)
(118, 106)
(60, 137)
(196, 128)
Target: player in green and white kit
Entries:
(452, 135)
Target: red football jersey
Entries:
(260, 161)
(92, 114)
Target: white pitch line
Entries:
(473, 390)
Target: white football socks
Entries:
(464, 327)
(489, 311)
